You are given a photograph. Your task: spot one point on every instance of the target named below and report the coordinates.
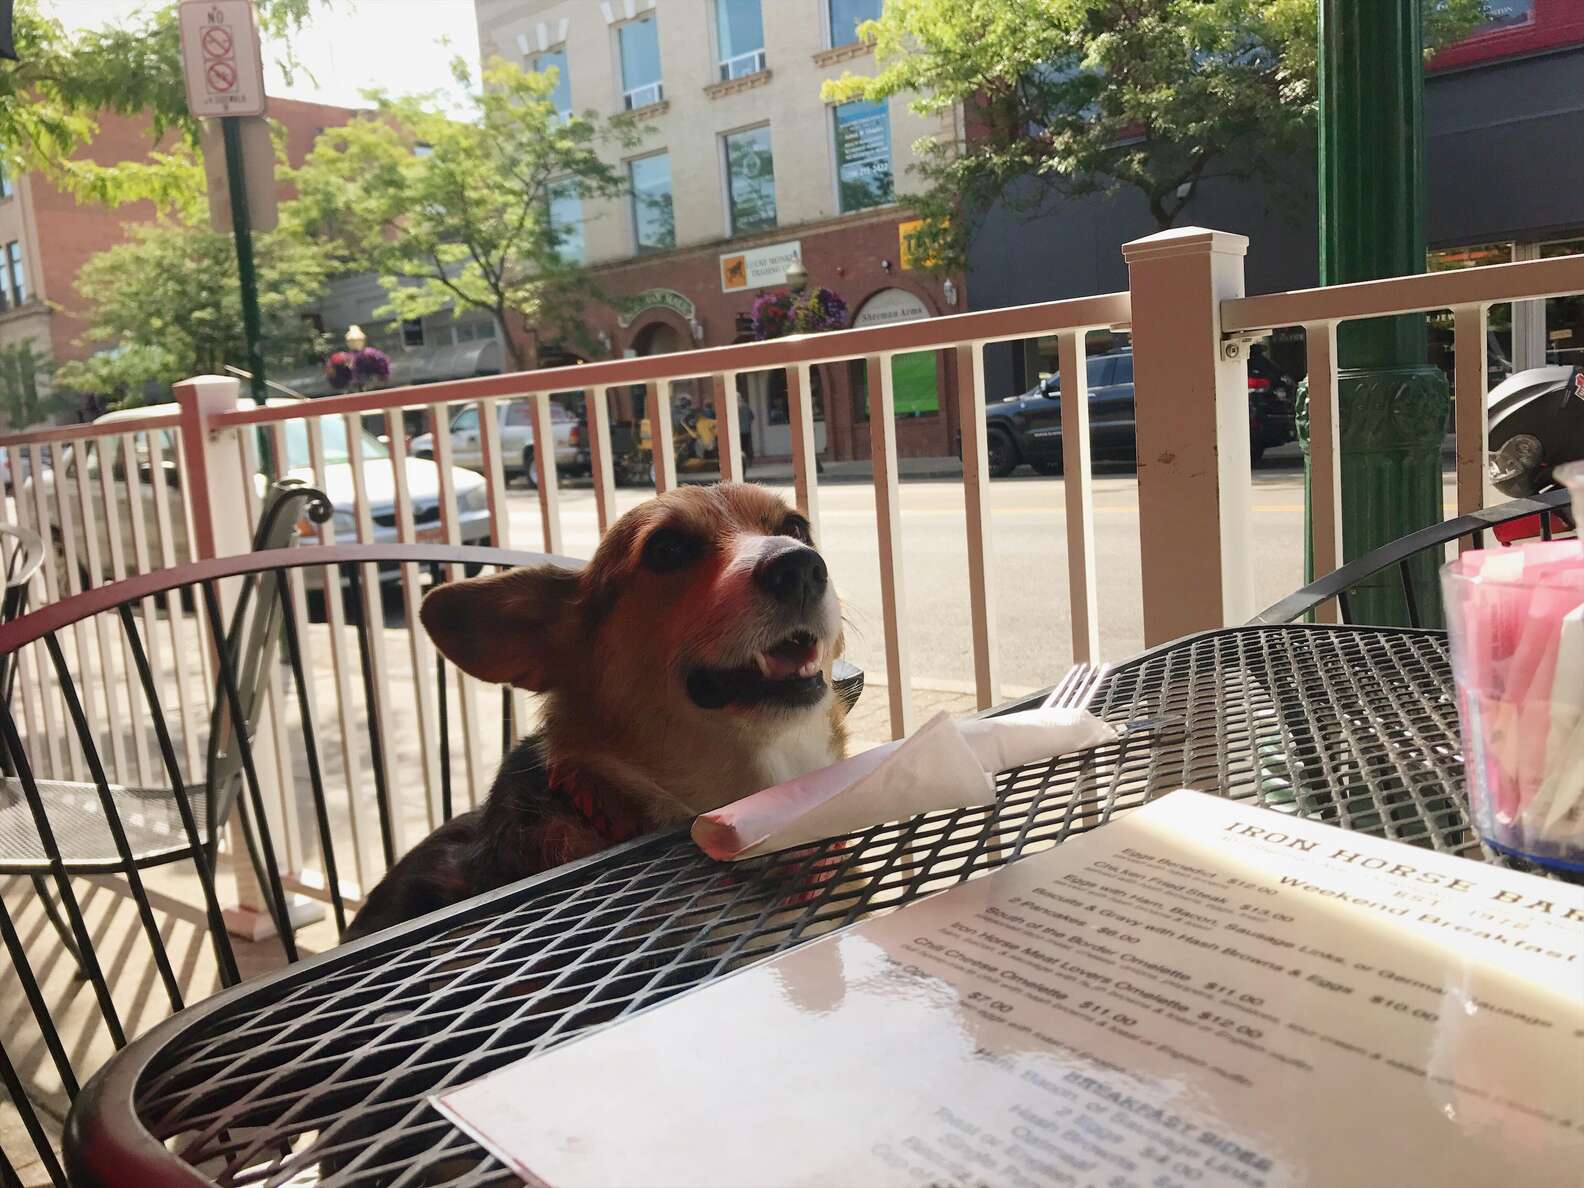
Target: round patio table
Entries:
(321, 1073)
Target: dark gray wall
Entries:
(1504, 159)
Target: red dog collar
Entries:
(612, 827)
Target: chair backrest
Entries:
(251, 641)
(21, 554)
(1399, 553)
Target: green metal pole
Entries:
(247, 277)
(1394, 406)
(241, 228)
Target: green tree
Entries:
(457, 212)
(52, 98)
(1070, 97)
(164, 303)
(25, 396)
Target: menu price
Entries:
(1200, 993)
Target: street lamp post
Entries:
(1392, 403)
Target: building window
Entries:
(863, 155)
(654, 215)
(750, 180)
(639, 42)
(847, 15)
(7, 187)
(474, 330)
(739, 33)
(19, 289)
(561, 96)
(412, 332)
(566, 221)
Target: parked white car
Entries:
(516, 438)
(423, 486)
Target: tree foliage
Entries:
(456, 212)
(51, 100)
(25, 395)
(164, 303)
(1068, 97)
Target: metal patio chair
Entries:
(1339, 584)
(156, 825)
(21, 554)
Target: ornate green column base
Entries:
(1393, 421)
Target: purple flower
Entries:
(371, 364)
(778, 312)
(344, 368)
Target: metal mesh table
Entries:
(321, 1073)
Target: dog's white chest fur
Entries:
(801, 749)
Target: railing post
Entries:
(1192, 413)
(218, 501)
(222, 527)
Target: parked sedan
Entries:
(1027, 428)
(516, 440)
(379, 476)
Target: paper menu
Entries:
(1200, 993)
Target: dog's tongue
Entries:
(788, 660)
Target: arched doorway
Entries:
(660, 337)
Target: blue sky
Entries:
(351, 45)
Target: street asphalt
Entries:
(1029, 573)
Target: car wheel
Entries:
(529, 476)
(426, 455)
(1048, 469)
(1256, 452)
(1002, 453)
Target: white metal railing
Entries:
(742, 65)
(169, 486)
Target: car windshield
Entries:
(333, 432)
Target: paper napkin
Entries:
(944, 765)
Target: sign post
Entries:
(224, 70)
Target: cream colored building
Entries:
(697, 104)
(742, 171)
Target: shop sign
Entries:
(657, 299)
(758, 268)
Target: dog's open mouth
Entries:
(787, 674)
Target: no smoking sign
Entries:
(220, 58)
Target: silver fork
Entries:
(1077, 688)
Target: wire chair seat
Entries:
(150, 817)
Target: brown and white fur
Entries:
(687, 665)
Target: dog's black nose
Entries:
(794, 575)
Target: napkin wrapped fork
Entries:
(947, 764)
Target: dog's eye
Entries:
(668, 550)
(797, 528)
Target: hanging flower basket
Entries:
(778, 312)
(346, 368)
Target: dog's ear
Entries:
(506, 628)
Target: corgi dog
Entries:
(687, 665)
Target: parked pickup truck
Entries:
(516, 438)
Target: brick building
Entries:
(744, 171)
(46, 236)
